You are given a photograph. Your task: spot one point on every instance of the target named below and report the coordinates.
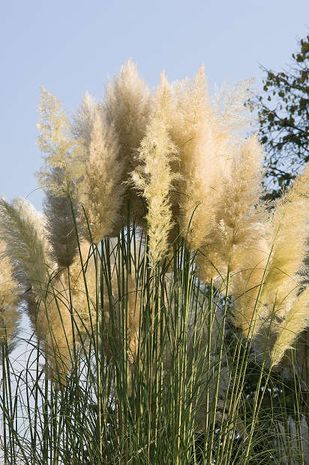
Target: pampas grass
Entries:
(295, 322)
(289, 225)
(127, 107)
(9, 298)
(154, 178)
(26, 245)
(163, 293)
(58, 177)
(83, 120)
(102, 181)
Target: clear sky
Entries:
(70, 46)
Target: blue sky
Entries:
(72, 46)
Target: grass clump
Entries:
(162, 293)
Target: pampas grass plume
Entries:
(295, 322)
(9, 297)
(127, 108)
(154, 178)
(83, 120)
(101, 189)
(61, 149)
(289, 225)
(26, 244)
(63, 167)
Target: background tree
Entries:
(283, 117)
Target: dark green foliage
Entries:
(283, 117)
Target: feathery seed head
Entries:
(83, 120)
(26, 244)
(154, 178)
(9, 297)
(62, 150)
(103, 180)
(289, 224)
(297, 319)
(127, 108)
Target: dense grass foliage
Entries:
(184, 388)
